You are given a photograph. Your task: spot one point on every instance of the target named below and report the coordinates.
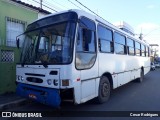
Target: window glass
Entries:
(120, 43)
(105, 39)
(43, 46)
(130, 42)
(131, 51)
(86, 41)
(138, 48)
(86, 23)
(86, 44)
(119, 49)
(143, 50)
(149, 52)
(138, 52)
(54, 19)
(105, 46)
(79, 46)
(104, 33)
(118, 38)
(146, 51)
(137, 45)
(13, 29)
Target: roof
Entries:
(153, 44)
(31, 6)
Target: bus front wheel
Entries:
(104, 90)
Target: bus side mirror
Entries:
(17, 42)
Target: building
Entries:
(14, 17)
(125, 27)
(154, 52)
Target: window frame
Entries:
(15, 21)
(111, 41)
(136, 48)
(118, 43)
(128, 46)
(142, 45)
(149, 51)
(95, 43)
(79, 27)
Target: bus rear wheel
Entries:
(104, 90)
(141, 76)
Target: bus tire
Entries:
(104, 90)
(141, 78)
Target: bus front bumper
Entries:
(43, 95)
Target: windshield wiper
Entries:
(28, 56)
(45, 64)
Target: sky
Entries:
(142, 15)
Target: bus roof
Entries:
(98, 19)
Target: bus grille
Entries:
(35, 80)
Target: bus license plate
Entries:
(32, 96)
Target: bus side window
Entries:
(143, 50)
(79, 41)
(86, 44)
(88, 40)
(138, 48)
(105, 39)
(120, 43)
(130, 46)
(149, 52)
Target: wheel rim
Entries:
(105, 90)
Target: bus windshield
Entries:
(49, 45)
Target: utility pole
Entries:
(41, 3)
(141, 36)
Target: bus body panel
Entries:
(84, 82)
(30, 74)
(48, 96)
(124, 68)
(88, 82)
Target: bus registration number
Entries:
(32, 96)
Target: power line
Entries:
(60, 4)
(75, 5)
(86, 7)
(49, 4)
(89, 9)
(45, 6)
(151, 31)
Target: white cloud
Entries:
(150, 31)
(147, 26)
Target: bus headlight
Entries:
(20, 78)
(55, 82)
(49, 81)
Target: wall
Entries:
(8, 70)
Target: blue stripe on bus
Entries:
(46, 96)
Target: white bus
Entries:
(74, 55)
